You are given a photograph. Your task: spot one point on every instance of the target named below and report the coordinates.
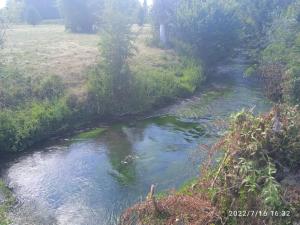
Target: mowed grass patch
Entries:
(43, 50)
(49, 50)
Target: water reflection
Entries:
(121, 155)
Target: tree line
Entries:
(83, 16)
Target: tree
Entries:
(2, 36)
(81, 16)
(77, 16)
(14, 11)
(2, 30)
(256, 17)
(117, 47)
(210, 27)
(32, 16)
(111, 82)
(163, 14)
(159, 11)
(47, 8)
(143, 13)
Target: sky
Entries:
(3, 2)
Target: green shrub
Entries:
(5, 206)
(258, 150)
(192, 76)
(158, 85)
(22, 128)
(49, 88)
(15, 88)
(279, 64)
(18, 89)
(292, 85)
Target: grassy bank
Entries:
(44, 50)
(255, 181)
(8, 201)
(41, 97)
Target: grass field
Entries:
(49, 50)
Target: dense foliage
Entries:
(111, 82)
(46, 8)
(30, 110)
(88, 16)
(17, 89)
(215, 28)
(209, 27)
(6, 204)
(78, 15)
(259, 153)
(279, 62)
(23, 127)
(18, 11)
(212, 28)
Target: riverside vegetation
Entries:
(135, 71)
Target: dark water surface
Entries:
(89, 181)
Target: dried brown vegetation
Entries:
(175, 209)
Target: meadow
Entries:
(48, 49)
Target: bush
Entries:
(78, 15)
(146, 87)
(279, 64)
(158, 85)
(22, 128)
(110, 81)
(17, 89)
(258, 153)
(32, 16)
(49, 88)
(292, 85)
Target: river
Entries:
(91, 179)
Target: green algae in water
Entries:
(191, 129)
(91, 134)
(202, 107)
(179, 124)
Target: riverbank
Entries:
(6, 202)
(250, 177)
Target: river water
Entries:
(86, 180)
